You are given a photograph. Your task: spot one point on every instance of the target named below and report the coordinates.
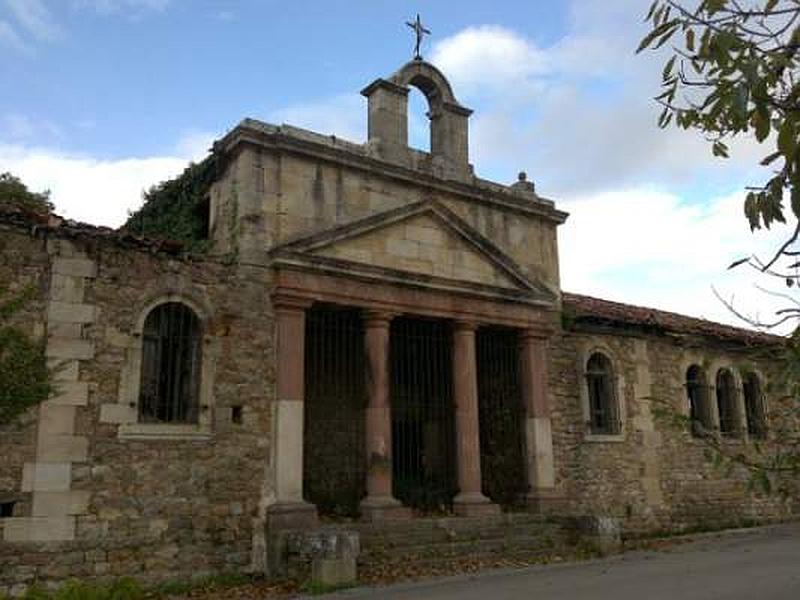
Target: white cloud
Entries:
(489, 56)
(9, 37)
(95, 190)
(117, 6)
(649, 247)
(35, 17)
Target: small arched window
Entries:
(697, 394)
(726, 402)
(754, 406)
(170, 384)
(601, 387)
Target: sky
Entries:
(100, 99)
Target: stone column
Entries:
(538, 432)
(289, 509)
(470, 499)
(379, 503)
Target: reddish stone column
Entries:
(538, 431)
(379, 503)
(470, 499)
(289, 508)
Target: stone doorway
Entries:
(423, 424)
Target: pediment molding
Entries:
(307, 253)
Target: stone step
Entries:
(521, 545)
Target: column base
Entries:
(474, 505)
(545, 502)
(291, 515)
(383, 508)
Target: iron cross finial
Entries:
(419, 30)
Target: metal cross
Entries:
(419, 30)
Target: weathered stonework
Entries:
(299, 220)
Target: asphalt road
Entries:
(760, 564)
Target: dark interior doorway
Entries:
(423, 428)
(334, 465)
(502, 417)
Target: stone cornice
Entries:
(356, 156)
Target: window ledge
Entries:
(158, 431)
(614, 438)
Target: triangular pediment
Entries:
(421, 244)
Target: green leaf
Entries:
(770, 5)
(770, 158)
(659, 31)
(787, 141)
(665, 74)
(690, 39)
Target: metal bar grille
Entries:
(726, 403)
(334, 466)
(697, 392)
(754, 407)
(170, 384)
(502, 417)
(603, 402)
(423, 427)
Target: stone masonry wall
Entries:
(653, 477)
(132, 499)
(24, 265)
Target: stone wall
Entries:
(24, 265)
(652, 476)
(108, 496)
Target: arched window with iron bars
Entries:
(726, 403)
(754, 406)
(699, 406)
(603, 403)
(170, 380)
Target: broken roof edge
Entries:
(589, 309)
(35, 223)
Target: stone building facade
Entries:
(369, 311)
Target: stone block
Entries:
(402, 248)
(39, 529)
(70, 312)
(62, 448)
(55, 419)
(66, 288)
(63, 370)
(60, 504)
(77, 267)
(64, 330)
(67, 348)
(118, 413)
(46, 477)
(70, 393)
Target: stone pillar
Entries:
(538, 432)
(470, 499)
(379, 503)
(289, 509)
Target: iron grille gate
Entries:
(423, 427)
(502, 417)
(334, 465)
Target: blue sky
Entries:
(102, 98)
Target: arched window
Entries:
(697, 394)
(726, 402)
(754, 406)
(170, 384)
(601, 387)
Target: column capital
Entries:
(534, 334)
(284, 302)
(462, 326)
(378, 318)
